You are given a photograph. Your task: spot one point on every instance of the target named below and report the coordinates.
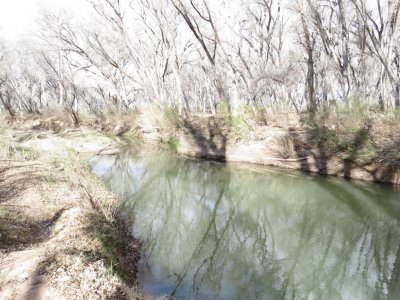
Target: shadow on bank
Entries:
(204, 224)
(329, 151)
(208, 136)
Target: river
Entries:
(235, 231)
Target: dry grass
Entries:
(65, 226)
(356, 133)
(348, 131)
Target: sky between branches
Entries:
(18, 17)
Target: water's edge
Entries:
(199, 218)
(250, 153)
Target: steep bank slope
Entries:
(366, 149)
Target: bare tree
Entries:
(193, 55)
(383, 39)
(198, 17)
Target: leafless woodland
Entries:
(196, 55)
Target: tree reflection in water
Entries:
(218, 231)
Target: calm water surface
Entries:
(221, 231)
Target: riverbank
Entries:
(363, 151)
(354, 143)
(60, 235)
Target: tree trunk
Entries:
(397, 96)
(312, 105)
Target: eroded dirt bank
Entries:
(60, 237)
(354, 145)
(275, 147)
(356, 149)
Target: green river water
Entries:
(234, 231)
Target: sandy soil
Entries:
(59, 235)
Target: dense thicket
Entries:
(196, 54)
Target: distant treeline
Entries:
(194, 55)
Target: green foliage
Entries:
(174, 143)
(51, 178)
(22, 153)
(111, 254)
(257, 113)
(171, 117)
(223, 108)
(352, 106)
(133, 112)
(131, 136)
(344, 129)
(240, 125)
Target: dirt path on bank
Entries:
(59, 236)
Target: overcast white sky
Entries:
(18, 16)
